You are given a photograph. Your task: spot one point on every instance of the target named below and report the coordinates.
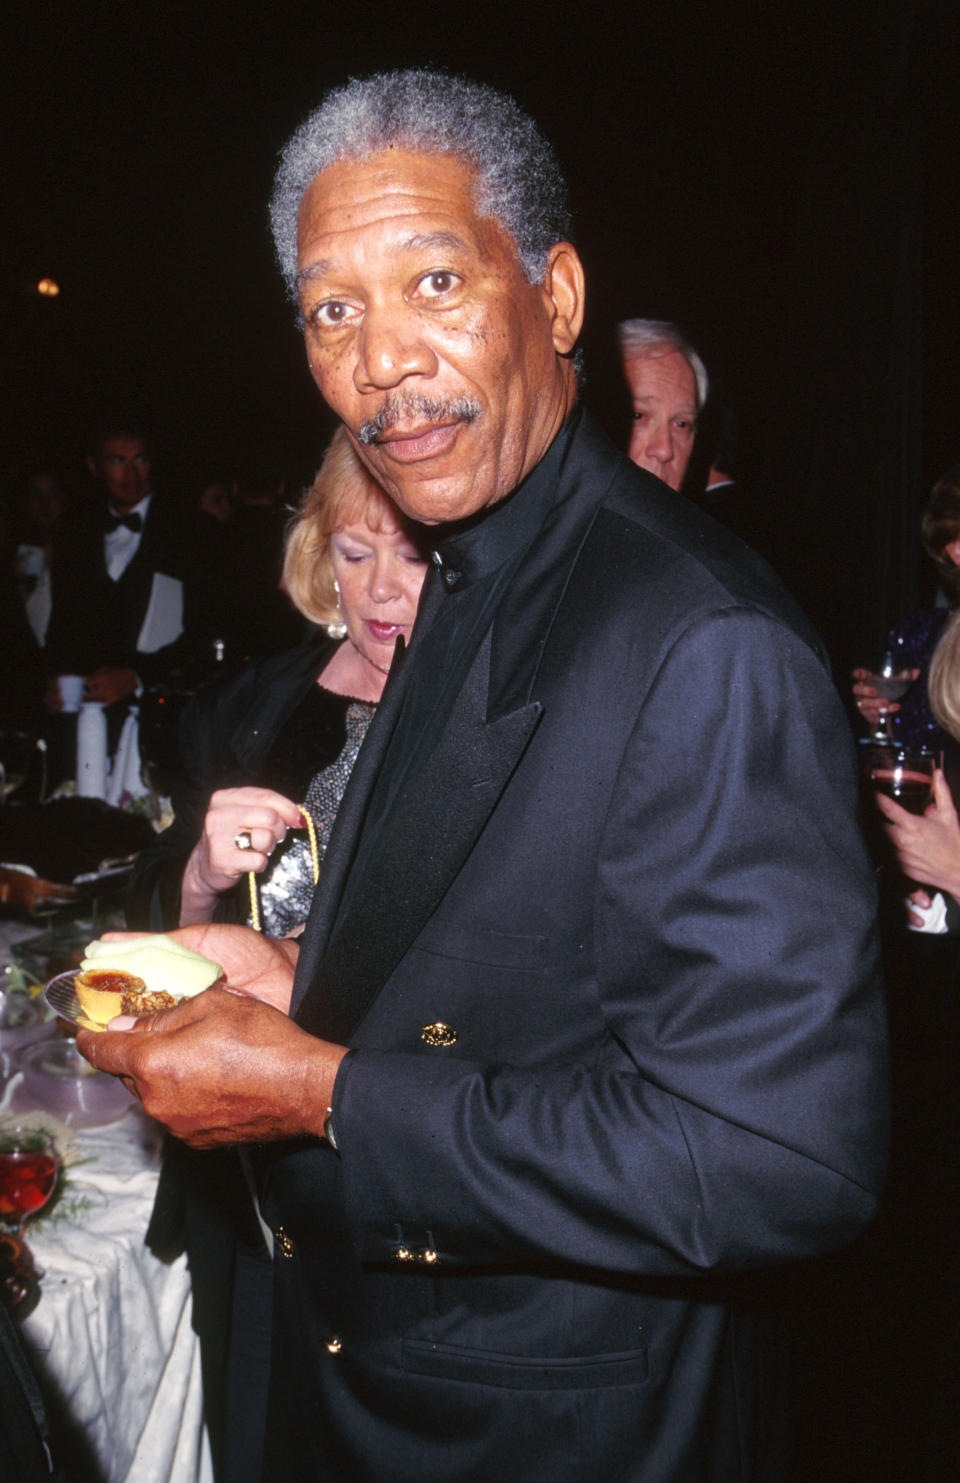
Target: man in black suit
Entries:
(126, 587)
(586, 1026)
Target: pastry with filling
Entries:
(140, 975)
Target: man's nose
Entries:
(660, 443)
(390, 347)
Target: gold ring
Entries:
(243, 840)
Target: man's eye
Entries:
(330, 315)
(435, 285)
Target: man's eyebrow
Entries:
(421, 242)
(315, 270)
(429, 240)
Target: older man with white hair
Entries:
(668, 388)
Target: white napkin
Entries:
(934, 916)
(125, 774)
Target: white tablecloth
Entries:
(111, 1333)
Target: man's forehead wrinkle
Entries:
(419, 242)
(658, 396)
(426, 240)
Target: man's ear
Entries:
(953, 551)
(564, 287)
(92, 466)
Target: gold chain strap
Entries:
(255, 918)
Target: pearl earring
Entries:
(337, 629)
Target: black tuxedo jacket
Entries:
(95, 621)
(611, 988)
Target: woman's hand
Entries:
(928, 846)
(261, 967)
(872, 707)
(216, 863)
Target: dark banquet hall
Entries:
(550, 1069)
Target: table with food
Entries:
(106, 1322)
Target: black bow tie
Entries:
(132, 522)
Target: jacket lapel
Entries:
(345, 835)
(346, 831)
(399, 887)
(403, 874)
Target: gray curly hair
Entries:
(518, 177)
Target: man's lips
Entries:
(424, 442)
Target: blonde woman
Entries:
(282, 734)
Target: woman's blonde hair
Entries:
(343, 493)
(943, 681)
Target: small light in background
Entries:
(47, 288)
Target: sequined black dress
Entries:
(302, 772)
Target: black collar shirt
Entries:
(472, 569)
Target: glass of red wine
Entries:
(28, 1177)
(905, 775)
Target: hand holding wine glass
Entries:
(878, 693)
(927, 843)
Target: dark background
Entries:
(778, 178)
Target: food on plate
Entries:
(140, 975)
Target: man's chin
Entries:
(429, 490)
(441, 501)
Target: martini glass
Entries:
(890, 683)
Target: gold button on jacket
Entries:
(439, 1034)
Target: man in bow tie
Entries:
(124, 590)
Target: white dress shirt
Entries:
(120, 546)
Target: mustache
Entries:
(396, 408)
